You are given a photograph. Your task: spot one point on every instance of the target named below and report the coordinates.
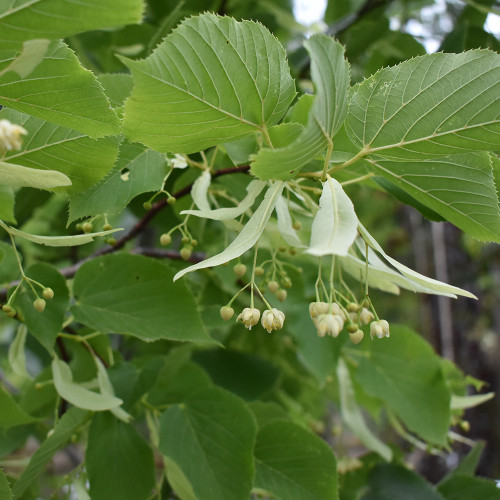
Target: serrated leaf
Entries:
(65, 428)
(285, 226)
(405, 373)
(353, 417)
(293, 463)
(330, 75)
(437, 286)
(433, 105)
(335, 226)
(254, 188)
(119, 462)
(78, 395)
(134, 295)
(145, 171)
(117, 86)
(199, 192)
(217, 428)
(57, 241)
(213, 79)
(248, 236)
(59, 90)
(5, 491)
(12, 414)
(460, 487)
(51, 147)
(62, 18)
(19, 176)
(461, 188)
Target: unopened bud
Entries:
(286, 282)
(165, 239)
(6, 308)
(48, 293)
(186, 252)
(366, 316)
(111, 241)
(317, 308)
(259, 271)
(281, 295)
(226, 313)
(87, 227)
(171, 200)
(240, 270)
(356, 337)
(297, 225)
(273, 286)
(107, 227)
(39, 305)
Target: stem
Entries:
(354, 159)
(357, 179)
(265, 134)
(327, 161)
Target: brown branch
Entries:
(70, 271)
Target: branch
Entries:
(70, 271)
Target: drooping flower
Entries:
(249, 317)
(273, 319)
(379, 329)
(329, 324)
(10, 136)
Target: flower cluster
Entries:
(10, 136)
(272, 319)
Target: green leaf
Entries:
(19, 176)
(247, 237)
(352, 415)
(119, 462)
(45, 326)
(12, 414)
(141, 301)
(58, 89)
(63, 431)
(468, 464)
(254, 188)
(216, 427)
(466, 487)
(461, 188)
(51, 147)
(293, 463)
(5, 491)
(138, 170)
(330, 75)
(398, 483)
(17, 354)
(57, 241)
(6, 201)
(335, 226)
(464, 402)
(9, 269)
(117, 86)
(78, 395)
(433, 105)
(406, 374)
(60, 18)
(212, 80)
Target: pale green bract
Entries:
(336, 224)
(210, 81)
(330, 75)
(433, 105)
(285, 226)
(353, 417)
(19, 176)
(199, 192)
(77, 394)
(57, 241)
(248, 236)
(254, 188)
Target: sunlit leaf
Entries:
(19, 176)
(212, 80)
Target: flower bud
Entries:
(352, 307)
(165, 239)
(171, 200)
(273, 319)
(186, 252)
(226, 313)
(111, 241)
(12, 313)
(147, 205)
(10, 136)
(259, 271)
(297, 225)
(379, 329)
(39, 304)
(185, 240)
(286, 282)
(249, 317)
(240, 270)
(273, 286)
(107, 227)
(281, 295)
(48, 293)
(317, 308)
(357, 336)
(87, 227)
(366, 316)
(6, 308)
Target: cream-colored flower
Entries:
(249, 317)
(178, 161)
(329, 324)
(379, 329)
(317, 308)
(365, 316)
(273, 319)
(10, 136)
